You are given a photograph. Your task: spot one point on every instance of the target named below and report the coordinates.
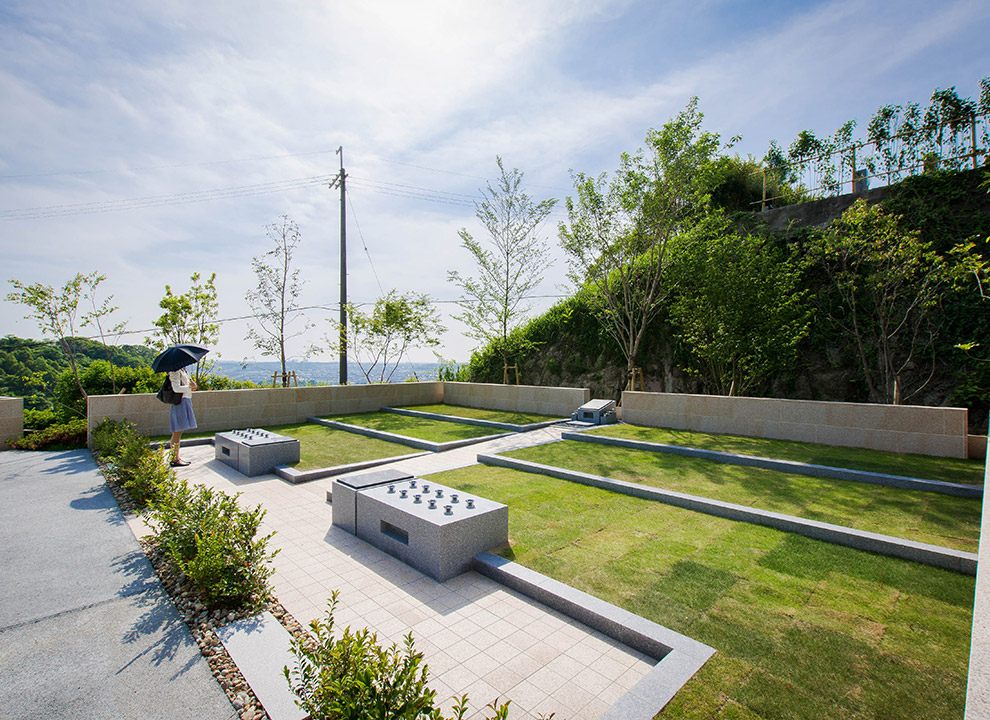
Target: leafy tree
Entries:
(57, 311)
(739, 308)
(397, 324)
(189, 318)
(889, 284)
(494, 304)
(275, 301)
(619, 234)
(101, 378)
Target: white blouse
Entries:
(180, 383)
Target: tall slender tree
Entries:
(620, 232)
(275, 300)
(189, 318)
(510, 264)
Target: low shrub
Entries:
(109, 435)
(39, 419)
(65, 436)
(354, 678)
(214, 542)
(152, 473)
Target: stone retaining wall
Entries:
(897, 428)
(11, 420)
(556, 401)
(230, 409)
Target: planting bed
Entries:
(952, 470)
(499, 416)
(803, 628)
(436, 431)
(932, 518)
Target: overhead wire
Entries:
(365, 244)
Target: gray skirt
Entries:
(181, 416)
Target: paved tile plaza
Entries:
(477, 636)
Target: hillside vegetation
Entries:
(777, 296)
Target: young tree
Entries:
(189, 318)
(397, 324)
(275, 301)
(888, 284)
(493, 304)
(619, 233)
(57, 311)
(738, 309)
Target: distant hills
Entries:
(317, 372)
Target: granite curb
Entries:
(790, 466)
(679, 657)
(935, 555)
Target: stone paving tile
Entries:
(476, 635)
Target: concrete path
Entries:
(477, 635)
(86, 630)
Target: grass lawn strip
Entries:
(804, 629)
(791, 466)
(431, 430)
(953, 470)
(501, 416)
(323, 447)
(924, 517)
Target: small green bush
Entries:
(354, 678)
(66, 436)
(109, 435)
(39, 419)
(213, 541)
(146, 481)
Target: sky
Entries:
(150, 140)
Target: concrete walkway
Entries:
(86, 631)
(478, 637)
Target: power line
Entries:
(361, 235)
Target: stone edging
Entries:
(403, 439)
(791, 466)
(679, 656)
(947, 558)
(300, 476)
(512, 427)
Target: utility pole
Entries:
(343, 269)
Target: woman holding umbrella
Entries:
(174, 361)
(181, 418)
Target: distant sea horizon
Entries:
(321, 373)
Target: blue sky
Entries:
(105, 102)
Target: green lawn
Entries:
(431, 430)
(954, 470)
(502, 416)
(322, 447)
(804, 629)
(921, 516)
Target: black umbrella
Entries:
(177, 357)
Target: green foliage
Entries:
(739, 186)
(64, 436)
(354, 678)
(275, 300)
(619, 233)
(889, 284)
(31, 368)
(738, 307)
(510, 265)
(214, 542)
(397, 324)
(222, 382)
(110, 435)
(189, 318)
(39, 419)
(101, 378)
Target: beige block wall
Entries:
(555, 401)
(230, 409)
(897, 428)
(977, 447)
(11, 420)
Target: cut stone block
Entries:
(255, 452)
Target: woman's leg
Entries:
(174, 445)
